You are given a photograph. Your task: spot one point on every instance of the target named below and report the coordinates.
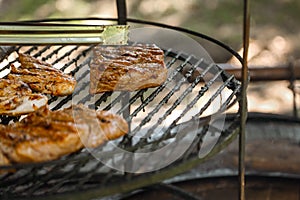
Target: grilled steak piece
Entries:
(46, 135)
(42, 77)
(126, 68)
(16, 98)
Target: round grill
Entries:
(184, 108)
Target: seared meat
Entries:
(46, 135)
(42, 77)
(3, 159)
(11, 88)
(16, 98)
(126, 68)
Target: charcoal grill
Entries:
(148, 111)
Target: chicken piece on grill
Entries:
(126, 68)
(46, 135)
(42, 77)
(3, 159)
(16, 98)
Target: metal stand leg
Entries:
(243, 103)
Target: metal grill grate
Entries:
(184, 108)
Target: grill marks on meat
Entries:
(16, 98)
(46, 135)
(42, 77)
(11, 92)
(126, 68)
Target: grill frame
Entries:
(141, 180)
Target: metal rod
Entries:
(49, 27)
(49, 33)
(122, 12)
(243, 102)
(262, 73)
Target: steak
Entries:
(126, 68)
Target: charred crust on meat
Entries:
(126, 68)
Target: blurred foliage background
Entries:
(275, 30)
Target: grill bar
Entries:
(53, 53)
(178, 101)
(213, 97)
(159, 89)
